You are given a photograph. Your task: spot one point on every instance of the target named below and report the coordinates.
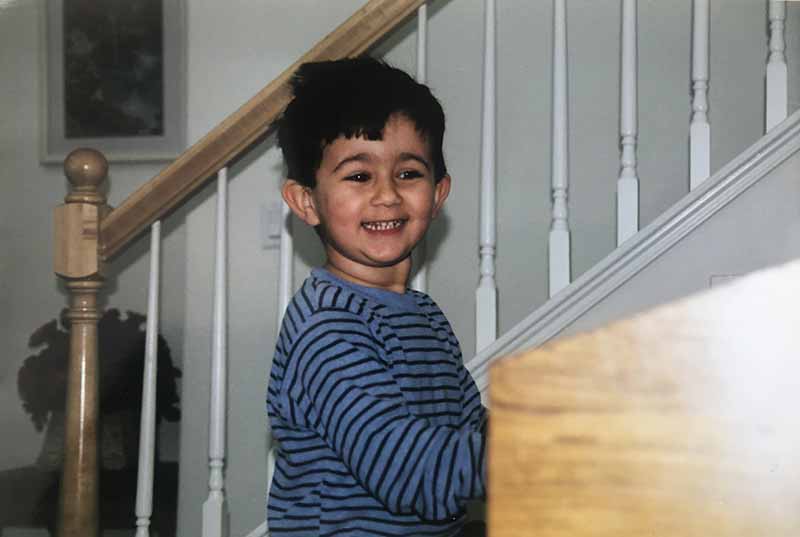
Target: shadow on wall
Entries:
(29, 495)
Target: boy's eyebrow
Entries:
(358, 157)
(418, 158)
(366, 157)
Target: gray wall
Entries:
(236, 48)
(765, 222)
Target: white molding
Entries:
(643, 248)
(260, 531)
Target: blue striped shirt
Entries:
(380, 427)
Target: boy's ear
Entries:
(440, 193)
(299, 199)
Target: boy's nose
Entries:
(386, 192)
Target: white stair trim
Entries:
(260, 531)
(644, 247)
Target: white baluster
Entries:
(420, 282)
(699, 130)
(147, 426)
(628, 182)
(777, 76)
(215, 515)
(422, 44)
(559, 243)
(286, 272)
(486, 294)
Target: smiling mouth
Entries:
(383, 225)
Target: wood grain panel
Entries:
(682, 421)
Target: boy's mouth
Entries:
(383, 225)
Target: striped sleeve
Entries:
(473, 413)
(406, 463)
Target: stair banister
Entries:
(175, 183)
(147, 424)
(77, 262)
(420, 280)
(777, 74)
(486, 293)
(215, 514)
(699, 128)
(628, 182)
(559, 247)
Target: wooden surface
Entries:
(76, 240)
(77, 222)
(187, 173)
(77, 261)
(684, 421)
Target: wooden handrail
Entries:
(178, 181)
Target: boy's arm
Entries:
(402, 460)
(473, 413)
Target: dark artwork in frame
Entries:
(113, 68)
(114, 73)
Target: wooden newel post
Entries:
(77, 261)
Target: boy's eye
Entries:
(357, 177)
(410, 174)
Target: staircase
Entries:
(524, 210)
(656, 265)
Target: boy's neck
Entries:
(392, 278)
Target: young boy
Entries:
(380, 426)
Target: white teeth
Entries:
(382, 226)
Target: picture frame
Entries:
(113, 79)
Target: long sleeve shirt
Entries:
(380, 427)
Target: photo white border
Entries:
(55, 146)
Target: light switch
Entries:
(271, 224)
(721, 279)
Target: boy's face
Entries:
(374, 200)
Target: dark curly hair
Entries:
(353, 98)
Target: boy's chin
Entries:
(366, 260)
(383, 264)
(389, 262)
(367, 264)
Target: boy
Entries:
(380, 427)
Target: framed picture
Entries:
(114, 79)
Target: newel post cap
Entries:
(77, 222)
(86, 169)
